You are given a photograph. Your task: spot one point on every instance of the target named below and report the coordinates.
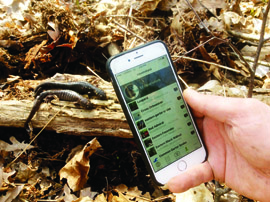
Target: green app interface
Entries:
(158, 111)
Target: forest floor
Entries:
(212, 44)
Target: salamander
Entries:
(81, 87)
(65, 95)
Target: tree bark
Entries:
(105, 119)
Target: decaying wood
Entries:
(105, 119)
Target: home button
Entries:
(182, 165)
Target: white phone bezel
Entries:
(133, 59)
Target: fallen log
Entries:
(105, 119)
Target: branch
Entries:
(258, 52)
(105, 119)
(126, 29)
(211, 63)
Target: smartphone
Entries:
(150, 94)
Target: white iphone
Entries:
(148, 89)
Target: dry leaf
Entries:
(214, 4)
(54, 34)
(251, 51)
(76, 170)
(24, 173)
(130, 194)
(212, 86)
(119, 197)
(86, 192)
(148, 6)
(68, 196)
(166, 5)
(100, 198)
(266, 84)
(16, 147)
(243, 27)
(177, 25)
(84, 199)
(215, 25)
(11, 194)
(196, 194)
(32, 53)
(4, 176)
(86, 195)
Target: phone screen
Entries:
(158, 111)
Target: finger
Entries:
(191, 178)
(216, 107)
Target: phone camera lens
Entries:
(129, 60)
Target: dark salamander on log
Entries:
(80, 87)
(65, 95)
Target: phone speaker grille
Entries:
(138, 57)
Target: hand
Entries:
(236, 133)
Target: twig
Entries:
(187, 86)
(240, 55)
(245, 36)
(35, 137)
(237, 52)
(123, 27)
(258, 52)
(127, 25)
(198, 17)
(214, 37)
(138, 17)
(253, 43)
(132, 43)
(211, 63)
(266, 39)
(251, 59)
(89, 69)
(202, 44)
